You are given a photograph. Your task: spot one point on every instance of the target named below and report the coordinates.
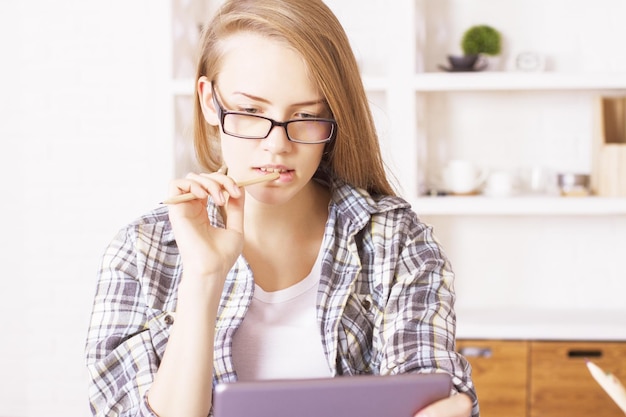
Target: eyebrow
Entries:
(263, 100)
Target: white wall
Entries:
(85, 148)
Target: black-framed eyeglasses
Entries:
(312, 130)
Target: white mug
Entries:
(462, 177)
(537, 180)
(500, 184)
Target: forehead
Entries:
(266, 67)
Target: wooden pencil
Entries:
(182, 198)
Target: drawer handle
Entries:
(476, 352)
(591, 353)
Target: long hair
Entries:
(311, 29)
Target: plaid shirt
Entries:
(385, 302)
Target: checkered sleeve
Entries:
(419, 324)
(121, 359)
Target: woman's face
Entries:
(264, 77)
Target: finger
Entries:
(228, 184)
(184, 186)
(214, 184)
(459, 405)
(234, 213)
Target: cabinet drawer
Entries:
(500, 373)
(561, 385)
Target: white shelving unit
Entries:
(516, 255)
(522, 270)
(519, 81)
(520, 206)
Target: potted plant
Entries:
(477, 41)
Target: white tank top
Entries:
(280, 337)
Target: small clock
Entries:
(529, 61)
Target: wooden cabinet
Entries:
(561, 385)
(542, 378)
(500, 373)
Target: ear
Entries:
(206, 101)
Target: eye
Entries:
(302, 115)
(248, 109)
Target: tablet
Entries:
(347, 396)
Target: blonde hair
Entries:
(309, 27)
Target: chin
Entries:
(274, 195)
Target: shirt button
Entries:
(168, 319)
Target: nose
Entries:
(277, 141)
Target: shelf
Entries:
(504, 81)
(478, 205)
(479, 81)
(520, 324)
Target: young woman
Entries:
(320, 272)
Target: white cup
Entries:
(462, 177)
(500, 184)
(537, 180)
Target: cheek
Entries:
(232, 154)
(228, 150)
(314, 157)
(238, 154)
(309, 162)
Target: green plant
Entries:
(481, 39)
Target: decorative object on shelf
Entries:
(574, 185)
(530, 62)
(481, 39)
(609, 162)
(465, 63)
(462, 177)
(501, 183)
(477, 42)
(537, 179)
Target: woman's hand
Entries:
(459, 405)
(182, 384)
(206, 250)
